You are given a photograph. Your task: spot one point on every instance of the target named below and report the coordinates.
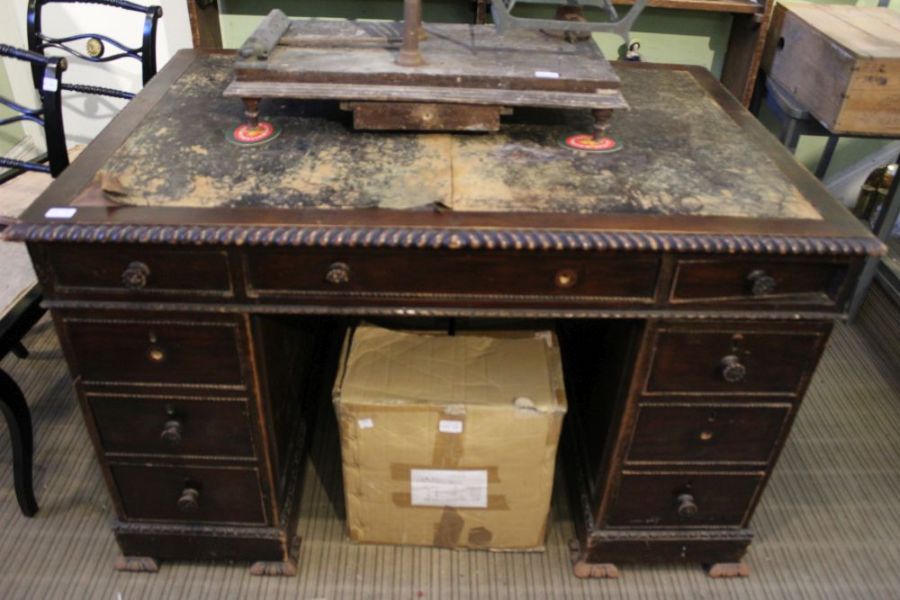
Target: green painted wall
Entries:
(10, 135)
(701, 38)
(666, 36)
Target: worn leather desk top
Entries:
(683, 155)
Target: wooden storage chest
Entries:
(840, 62)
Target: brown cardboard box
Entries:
(449, 441)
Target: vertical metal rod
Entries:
(827, 154)
(410, 56)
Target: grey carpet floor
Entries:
(827, 527)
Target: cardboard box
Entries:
(449, 441)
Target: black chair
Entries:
(22, 308)
(96, 50)
(13, 326)
(49, 115)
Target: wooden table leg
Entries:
(18, 419)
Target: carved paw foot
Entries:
(586, 570)
(286, 568)
(137, 564)
(721, 570)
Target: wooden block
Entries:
(417, 116)
(840, 62)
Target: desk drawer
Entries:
(684, 499)
(707, 433)
(744, 358)
(386, 272)
(167, 425)
(137, 270)
(155, 352)
(189, 493)
(742, 280)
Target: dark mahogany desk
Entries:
(198, 287)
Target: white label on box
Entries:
(448, 426)
(365, 423)
(449, 487)
(60, 213)
(546, 74)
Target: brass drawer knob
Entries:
(760, 283)
(156, 354)
(189, 501)
(135, 275)
(566, 278)
(687, 508)
(733, 371)
(171, 432)
(338, 273)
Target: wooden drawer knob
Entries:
(687, 508)
(135, 276)
(733, 371)
(338, 273)
(171, 432)
(760, 283)
(189, 501)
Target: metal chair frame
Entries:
(49, 115)
(38, 42)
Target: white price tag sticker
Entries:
(60, 213)
(449, 487)
(365, 423)
(449, 426)
(546, 74)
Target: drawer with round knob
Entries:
(684, 499)
(780, 282)
(674, 433)
(734, 358)
(199, 494)
(138, 271)
(204, 351)
(172, 425)
(506, 278)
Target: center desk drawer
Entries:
(189, 493)
(387, 272)
(171, 425)
(132, 269)
(155, 352)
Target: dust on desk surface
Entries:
(682, 155)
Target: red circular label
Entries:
(586, 141)
(248, 135)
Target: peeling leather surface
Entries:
(682, 155)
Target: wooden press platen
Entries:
(470, 76)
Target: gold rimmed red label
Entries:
(588, 143)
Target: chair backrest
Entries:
(48, 115)
(96, 50)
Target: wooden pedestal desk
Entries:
(198, 287)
